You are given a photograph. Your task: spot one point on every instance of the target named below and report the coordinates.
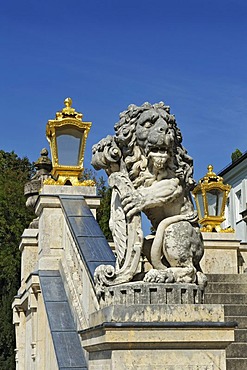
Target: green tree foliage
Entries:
(103, 212)
(235, 155)
(14, 217)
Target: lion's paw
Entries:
(201, 279)
(159, 276)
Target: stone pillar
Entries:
(29, 254)
(25, 321)
(42, 249)
(19, 321)
(51, 221)
(221, 253)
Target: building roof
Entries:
(231, 165)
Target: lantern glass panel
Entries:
(214, 200)
(69, 141)
(201, 206)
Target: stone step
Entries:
(241, 320)
(236, 364)
(226, 288)
(235, 310)
(231, 290)
(231, 278)
(241, 335)
(237, 350)
(222, 298)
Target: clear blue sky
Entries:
(106, 55)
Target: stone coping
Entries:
(69, 190)
(159, 335)
(160, 325)
(219, 236)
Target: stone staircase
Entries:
(231, 290)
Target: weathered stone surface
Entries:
(236, 364)
(152, 293)
(172, 346)
(221, 253)
(156, 335)
(144, 361)
(150, 171)
(158, 313)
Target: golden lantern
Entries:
(67, 136)
(210, 196)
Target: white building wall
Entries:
(236, 176)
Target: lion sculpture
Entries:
(150, 171)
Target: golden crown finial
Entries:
(68, 111)
(210, 168)
(68, 102)
(211, 176)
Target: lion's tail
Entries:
(156, 250)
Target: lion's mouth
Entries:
(157, 151)
(159, 157)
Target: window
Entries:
(238, 200)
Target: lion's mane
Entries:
(133, 156)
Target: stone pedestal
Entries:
(136, 293)
(151, 346)
(152, 334)
(221, 253)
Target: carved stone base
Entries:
(136, 336)
(152, 293)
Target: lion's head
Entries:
(150, 146)
(150, 142)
